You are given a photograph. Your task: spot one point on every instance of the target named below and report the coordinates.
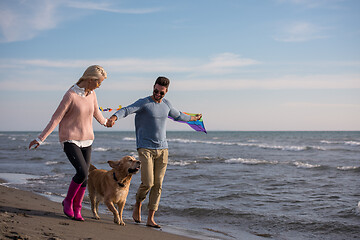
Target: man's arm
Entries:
(177, 115)
(124, 112)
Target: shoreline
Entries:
(27, 215)
(22, 210)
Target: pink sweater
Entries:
(74, 116)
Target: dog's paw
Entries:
(117, 220)
(96, 217)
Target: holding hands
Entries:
(111, 121)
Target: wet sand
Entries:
(26, 215)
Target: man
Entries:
(150, 124)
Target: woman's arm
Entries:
(97, 113)
(55, 120)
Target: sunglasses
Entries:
(157, 91)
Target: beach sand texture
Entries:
(26, 215)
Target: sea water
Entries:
(220, 185)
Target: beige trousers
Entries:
(153, 168)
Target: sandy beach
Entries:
(25, 215)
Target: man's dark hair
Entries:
(163, 81)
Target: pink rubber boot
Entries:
(77, 204)
(68, 201)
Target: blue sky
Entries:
(244, 64)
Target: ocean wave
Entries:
(249, 161)
(291, 148)
(55, 176)
(101, 149)
(17, 178)
(45, 179)
(52, 162)
(352, 143)
(181, 163)
(349, 143)
(49, 143)
(250, 143)
(306, 165)
(129, 139)
(346, 168)
(181, 140)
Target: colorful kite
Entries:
(109, 109)
(197, 125)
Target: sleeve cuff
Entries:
(39, 141)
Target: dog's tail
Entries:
(92, 167)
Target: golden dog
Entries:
(112, 186)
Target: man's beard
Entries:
(157, 98)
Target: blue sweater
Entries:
(150, 121)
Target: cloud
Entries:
(300, 32)
(314, 4)
(200, 74)
(282, 83)
(107, 7)
(23, 20)
(320, 105)
(206, 84)
(224, 62)
(42, 75)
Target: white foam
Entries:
(181, 163)
(249, 161)
(16, 178)
(306, 165)
(352, 143)
(51, 162)
(49, 143)
(250, 143)
(101, 149)
(284, 148)
(129, 139)
(347, 168)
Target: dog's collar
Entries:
(120, 184)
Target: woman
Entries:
(74, 116)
